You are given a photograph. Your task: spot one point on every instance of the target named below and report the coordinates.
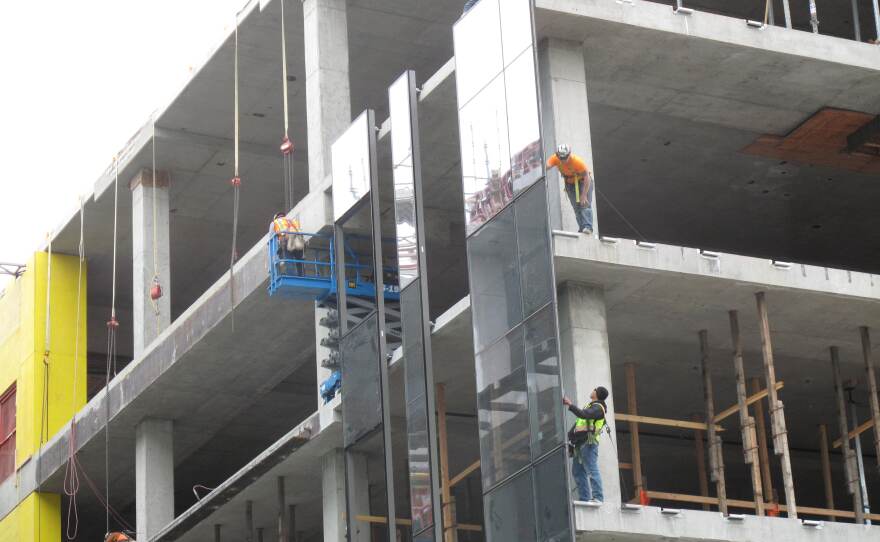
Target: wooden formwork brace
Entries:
(632, 407)
(763, 448)
(777, 410)
(282, 533)
(872, 388)
(249, 521)
(849, 457)
(449, 532)
(716, 456)
(701, 461)
(825, 456)
(746, 422)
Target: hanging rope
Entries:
(156, 285)
(112, 326)
(44, 403)
(286, 143)
(236, 188)
(71, 479)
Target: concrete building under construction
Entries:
(395, 367)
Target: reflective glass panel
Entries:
(545, 397)
(534, 249)
(551, 499)
(366, 488)
(413, 347)
(404, 181)
(358, 255)
(485, 155)
(359, 353)
(516, 28)
(419, 465)
(502, 403)
(510, 510)
(477, 37)
(351, 166)
(526, 155)
(494, 276)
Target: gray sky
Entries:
(79, 78)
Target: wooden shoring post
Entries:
(825, 456)
(632, 407)
(746, 422)
(449, 532)
(871, 377)
(716, 455)
(701, 461)
(777, 410)
(260, 534)
(763, 449)
(216, 532)
(249, 521)
(282, 533)
(851, 471)
(291, 522)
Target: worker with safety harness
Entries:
(583, 445)
(291, 244)
(578, 185)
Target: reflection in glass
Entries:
(551, 499)
(359, 353)
(516, 28)
(366, 488)
(502, 403)
(419, 465)
(477, 38)
(413, 355)
(494, 276)
(358, 253)
(510, 510)
(545, 396)
(404, 180)
(351, 166)
(526, 157)
(534, 249)
(485, 155)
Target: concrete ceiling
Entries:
(669, 123)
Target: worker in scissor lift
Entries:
(578, 185)
(118, 537)
(291, 245)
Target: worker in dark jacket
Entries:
(583, 439)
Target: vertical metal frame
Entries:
(425, 326)
(379, 280)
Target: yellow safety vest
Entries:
(593, 428)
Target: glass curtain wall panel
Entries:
(423, 451)
(512, 284)
(360, 299)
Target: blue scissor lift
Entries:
(312, 275)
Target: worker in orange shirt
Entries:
(578, 185)
(291, 245)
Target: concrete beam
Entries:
(154, 475)
(328, 94)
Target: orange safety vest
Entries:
(573, 169)
(284, 224)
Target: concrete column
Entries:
(566, 117)
(328, 96)
(333, 484)
(586, 364)
(148, 322)
(154, 476)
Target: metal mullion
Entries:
(378, 279)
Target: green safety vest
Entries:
(593, 428)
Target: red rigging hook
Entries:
(235, 181)
(113, 322)
(286, 146)
(155, 289)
